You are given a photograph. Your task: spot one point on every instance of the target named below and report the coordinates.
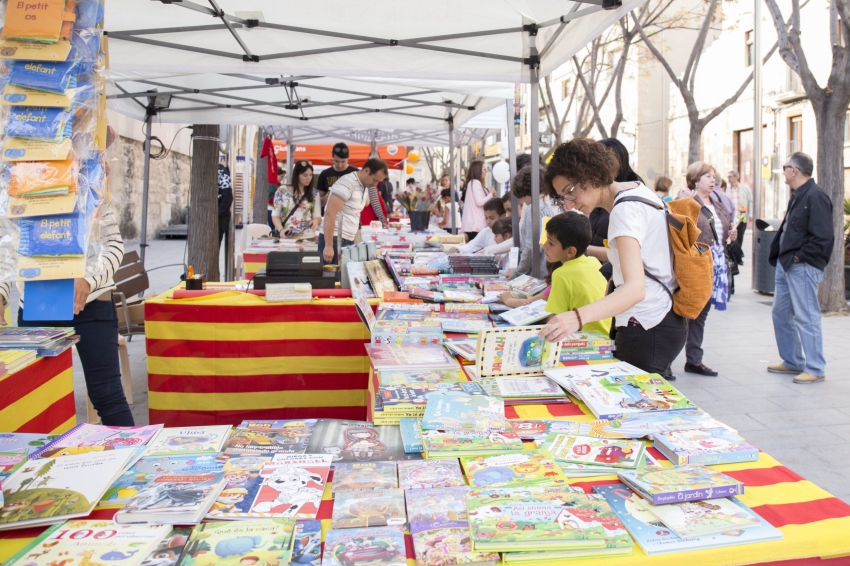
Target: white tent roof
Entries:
(416, 137)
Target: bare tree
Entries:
(829, 104)
(203, 198)
(259, 206)
(437, 160)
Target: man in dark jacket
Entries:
(225, 200)
(800, 252)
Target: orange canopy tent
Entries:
(320, 154)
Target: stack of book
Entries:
(522, 390)
(399, 326)
(526, 286)
(43, 341)
(394, 402)
(707, 446)
(14, 360)
(586, 346)
(583, 456)
(475, 264)
(393, 357)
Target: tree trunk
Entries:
(203, 200)
(829, 121)
(259, 206)
(694, 135)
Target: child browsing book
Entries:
(575, 277)
(493, 210)
(502, 232)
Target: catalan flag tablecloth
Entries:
(230, 356)
(40, 397)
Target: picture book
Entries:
(364, 475)
(466, 307)
(464, 325)
(514, 351)
(539, 431)
(279, 437)
(10, 462)
(611, 397)
(540, 518)
(426, 474)
(373, 546)
(94, 541)
(359, 280)
(529, 468)
(446, 505)
(680, 483)
(15, 448)
(565, 357)
(145, 469)
(172, 499)
(409, 356)
(411, 434)
(649, 423)
(460, 412)
(85, 434)
(357, 441)
(286, 485)
(412, 377)
(617, 453)
(518, 388)
(189, 440)
(698, 518)
(654, 538)
(307, 548)
(527, 314)
(450, 444)
(704, 446)
(51, 490)
(527, 286)
(402, 398)
(563, 375)
(465, 348)
(168, 551)
(266, 542)
(587, 339)
(366, 508)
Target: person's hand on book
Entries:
(560, 326)
(82, 289)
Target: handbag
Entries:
(294, 208)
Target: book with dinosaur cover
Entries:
(680, 483)
(514, 351)
(93, 541)
(357, 441)
(529, 468)
(85, 434)
(270, 437)
(426, 474)
(719, 445)
(366, 508)
(616, 453)
(452, 444)
(465, 413)
(364, 475)
(224, 543)
(144, 470)
(189, 440)
(307, 548)
(373, 546)
(173, 499)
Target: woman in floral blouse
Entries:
(295, 211)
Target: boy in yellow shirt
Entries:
(576, 280)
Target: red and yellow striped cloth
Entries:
(253, 262)
(230, 356)
(40, 397)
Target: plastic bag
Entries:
(60, 235)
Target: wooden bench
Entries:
(131, 279)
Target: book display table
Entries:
(229, 356)
(39, 397)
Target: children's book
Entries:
(450, 444)
(649, 423)
(373, 546)
(364, 475)
(564, 375)
(616, 453)
(411, 434)
(172, 499)
(85, 434)
(513, 389)
(358, 279)
(93, 541)
(15, 448)
(530, 468)
(565, 357)
(680, 483)
(394, 357)
(189, 440)
(47, 491)
(276, 437)
(366, 508)
(613, 396)
(465, 348)
(357, 441)
(527, 286)
(698, 518)
(144, 470)
(654, 538)
(539, 431)
(465, 413)
(265, 542)
(704, 446)
(442, 504)
(426, 474)
(514, 352)
(466, 307)
(586, 339)
(412, 377)
(403, 398)
(526, 314)
(307, 548)
(169, 549)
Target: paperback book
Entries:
(616, 453)
(289, 436)
(412, 377)
(144, 470)
(514, 352)
(515, 390)
(173, 499)
(411, 435)
(427, 474)
(404, 398)
(307, 548)
(465, 348)
(530, 468)
(409, 357)
(692, 519)
(224, 543)
(85, 434)
(704, 446)
(539, 431)
(168, 551)
(357, 441)
(189, 440)
(464, 413)
(366, 508)
(680, 483)
(527, 286)
(373, 546)
(526, 314)
(450, 444)
(364, 475)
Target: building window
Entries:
(795, 134)
(794, 81)
(749, 49)
(565, 89)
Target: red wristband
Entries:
(578, 316)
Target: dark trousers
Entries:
(97, 326)
(696, 330)
(742, 228)
(223, 225)
(322, 244)
(654, 349)
(470, 236)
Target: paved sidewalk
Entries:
(805, 427)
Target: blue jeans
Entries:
(796, 318)
(335, 261)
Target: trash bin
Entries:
(763, 272)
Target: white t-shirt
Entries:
(355, 195)
(648, 226)
(483, 239)
(718, 224)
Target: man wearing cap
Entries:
(328, 177)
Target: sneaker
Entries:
(782, 368)
(806, 377)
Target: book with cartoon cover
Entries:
(462, 412)
(411, 434)
(367, 508)
(189, 440)
(514, 351)
(611, 397)
(357, 441)
(414, 397)
(720, 445)
(169, 549)
(24, 442)
(415, 376)
(611, 452)
(698, 518)
(395, 357)
(266, 542)
(451, 444)
(529, 468)
(523, 388)
(145, 469)
(427, 474)
(364, 475)
(465, 348)
(586, 339)
(526, 314)
(373, 546)
(172, 499)
(85, 434)
(307, 548)
(680, 483)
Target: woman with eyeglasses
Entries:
(649, 334)
(295, 210)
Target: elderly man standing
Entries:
(800, 252)
(742, 198)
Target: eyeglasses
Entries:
(784, 167)
(570, 194)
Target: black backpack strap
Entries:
(640, 199)
(707, 213)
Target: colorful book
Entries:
(411, 434)
(586, 339)
(426, 474)
(367, 508)
(403, 398)
(307, 548)
(680, 483)
(527, 286)
(526, 314)
(465, 348)
(514, 351)
(450, 444)
(409, 356)
(530, 468)
(170, 549)
(585, 357)
(466, 307)
(539, 431)
(85, 434)
(357, 441)
(373, 546)
(91, 540)
(615, 453)
(43, 492)
(189, 440)
(172, 499)
(611, 397)
(291, 434)
(704, 446)
(412, 377)
(464, 413)
(654, 538)
(144, 470)
(24, 442)
(364, 475)
(692, 519)
(523, 388)
(565, 375)
(225, 543)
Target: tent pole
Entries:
(290, 154)
(535, 171)
(230, 235)
(452, 173)
(146, 179)
(512, 163)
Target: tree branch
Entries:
(699, 43)
(657, 54)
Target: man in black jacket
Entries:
(225, 200)
(800, 252)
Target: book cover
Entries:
(411, 434)
(692, 519)
(564, 374)
(170, 494)
(539, 431)
(681, 483)
(453, 444)
(526, 314)
(364, 475)
(514, 352)
(366, 508)
(373, 546)
(521, 387)
(169, 549)
(395, 398)
(189, 440)
(144, 470)
(617, 453)
(85, 434)
(464, 325)
(48, 491)
(613, 396)
(288, 438)
(587, 339)
(706, 447)
(414, 376)
(529, 468)
(357, 441)
(358, 279)
(307, 548)
(266, 542)
(649, 423)
(409, 357)
(464, 348)
(427, 474)
(460, 412)
(466, 307)
(527, 286)
(654, 538)
(24, 442)
(446, 505)
(436, 545)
